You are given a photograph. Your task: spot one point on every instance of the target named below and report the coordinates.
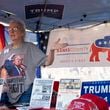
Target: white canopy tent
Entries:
(75, 12)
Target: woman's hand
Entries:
(58, 45)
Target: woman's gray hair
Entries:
(20, 23)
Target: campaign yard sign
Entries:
(99, 88)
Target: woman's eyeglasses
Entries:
(13, 29)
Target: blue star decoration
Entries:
(43, 41)
(103, 42)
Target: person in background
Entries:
(32, 57)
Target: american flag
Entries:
(43, 40)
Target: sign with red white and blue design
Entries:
(99, 88)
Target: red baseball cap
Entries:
(99, 101)
(88, 102)
(82, 104)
